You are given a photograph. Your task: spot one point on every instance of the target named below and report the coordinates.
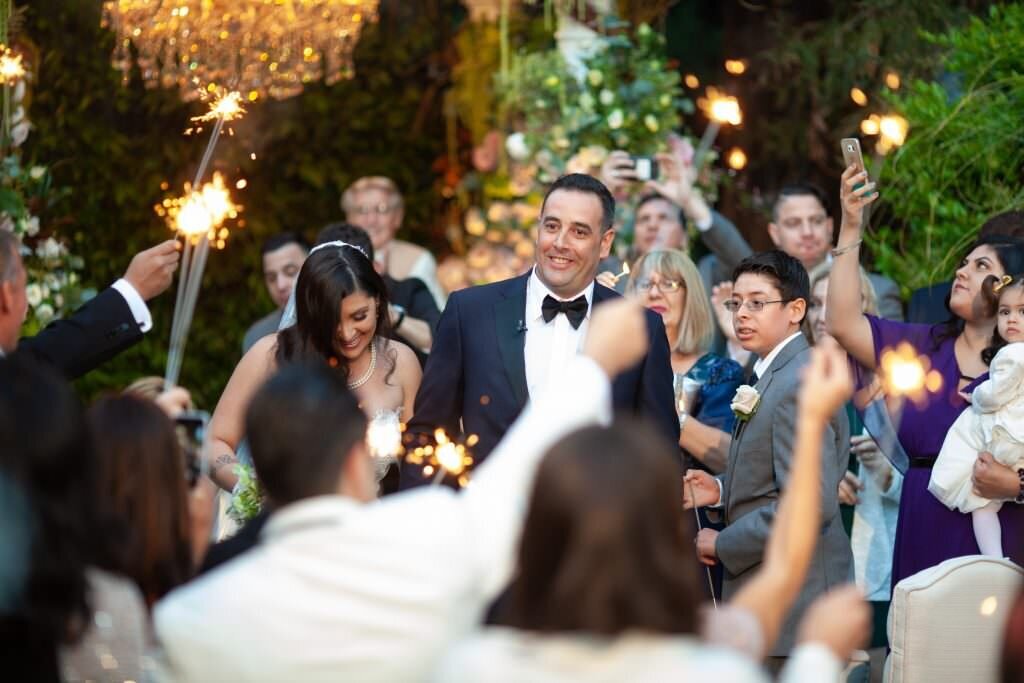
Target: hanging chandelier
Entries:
(261, 48)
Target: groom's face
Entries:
(570, 241)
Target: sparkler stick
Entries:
(707, 569)
(719, 109)
(193, 262)
(625, 271)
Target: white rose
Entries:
(19, 133)
(606, 97)
(37, 172)
(616, 119)
(32, 226)
(44, 313)
(34, 295)
(516, 147)
(595, 77)
(745, 401)
(586, 102)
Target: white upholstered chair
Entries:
(946, 623)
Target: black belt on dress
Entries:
(922, 463)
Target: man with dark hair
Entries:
(282, 257)
(346, 591)
(414, 313)
(107, 324)
(928, 304)
(769, 301)
(802, 227)
(497, 345)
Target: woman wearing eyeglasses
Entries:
(667, 282)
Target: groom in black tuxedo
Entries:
(496, 345)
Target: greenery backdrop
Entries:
(114, 145)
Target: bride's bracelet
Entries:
(839, 251)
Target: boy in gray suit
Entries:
(769, 301)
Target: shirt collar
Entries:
(319, 511)
(536, 290)
(762, 365)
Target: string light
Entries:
(736, 158)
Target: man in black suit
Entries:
(112, 321)
(496, 345)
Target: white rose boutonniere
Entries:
(745, 402)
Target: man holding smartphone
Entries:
(661, 215)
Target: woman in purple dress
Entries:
(927, 532)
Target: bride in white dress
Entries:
(339, 298)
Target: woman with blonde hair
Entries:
(667, 282)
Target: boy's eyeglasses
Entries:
(754, 306)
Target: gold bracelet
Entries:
(839, 251)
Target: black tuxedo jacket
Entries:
(475, 378)
(103, 327)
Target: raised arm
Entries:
(227, 426)
(844, 317)
(494, 505)
(771, 592)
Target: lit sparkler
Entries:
(11, 68)
(198, 217)
(446, 458)
(625, 272)
(719, 108)
(906, 374)
(226, 107)
(384, 436)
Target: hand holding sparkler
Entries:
(152, 271)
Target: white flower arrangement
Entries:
(745, 402)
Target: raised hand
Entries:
(607, 278)
(840, 620)
(617, 171)
(827, 384)
(721, 293)
(151, 271)
(699, 489)
(854, 199)
(676, 183)
(617, 338)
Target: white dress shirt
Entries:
(761, 365)
(503, 655)
(343, 591)
(140, 311)
(551, 346)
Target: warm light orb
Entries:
(691, 81)
(736, 66)
(869, 126)
(904, 373)
(736, 158)
(892, 80)
(384, 437)
(858, 96)
(721, 108)
(893, 128)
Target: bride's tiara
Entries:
(339, 243)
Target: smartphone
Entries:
(852, 155)
(646, 168)
(190, 427)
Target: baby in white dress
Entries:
(993, 423)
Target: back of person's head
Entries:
(581, 182)
(346, 232)
(283, 239)
(787, 273)
(696, 326)
(800, 189)
(9, 255)
(46, 455)
(328, 276)
(1009, 223)
(302, 425)
(141, 472)
(605, 547)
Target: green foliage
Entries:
(247, 500)
(114, 145)
(626, 99)
(963, 157)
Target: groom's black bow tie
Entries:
(575, 310)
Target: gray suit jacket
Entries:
(758, 467)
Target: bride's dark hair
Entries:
(328, 276)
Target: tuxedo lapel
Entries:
(509, 314)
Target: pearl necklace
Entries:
(369, 371)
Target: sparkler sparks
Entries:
(227, 107)
(904, 373)
(11, 68)
(446, 458)
(196, 214)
